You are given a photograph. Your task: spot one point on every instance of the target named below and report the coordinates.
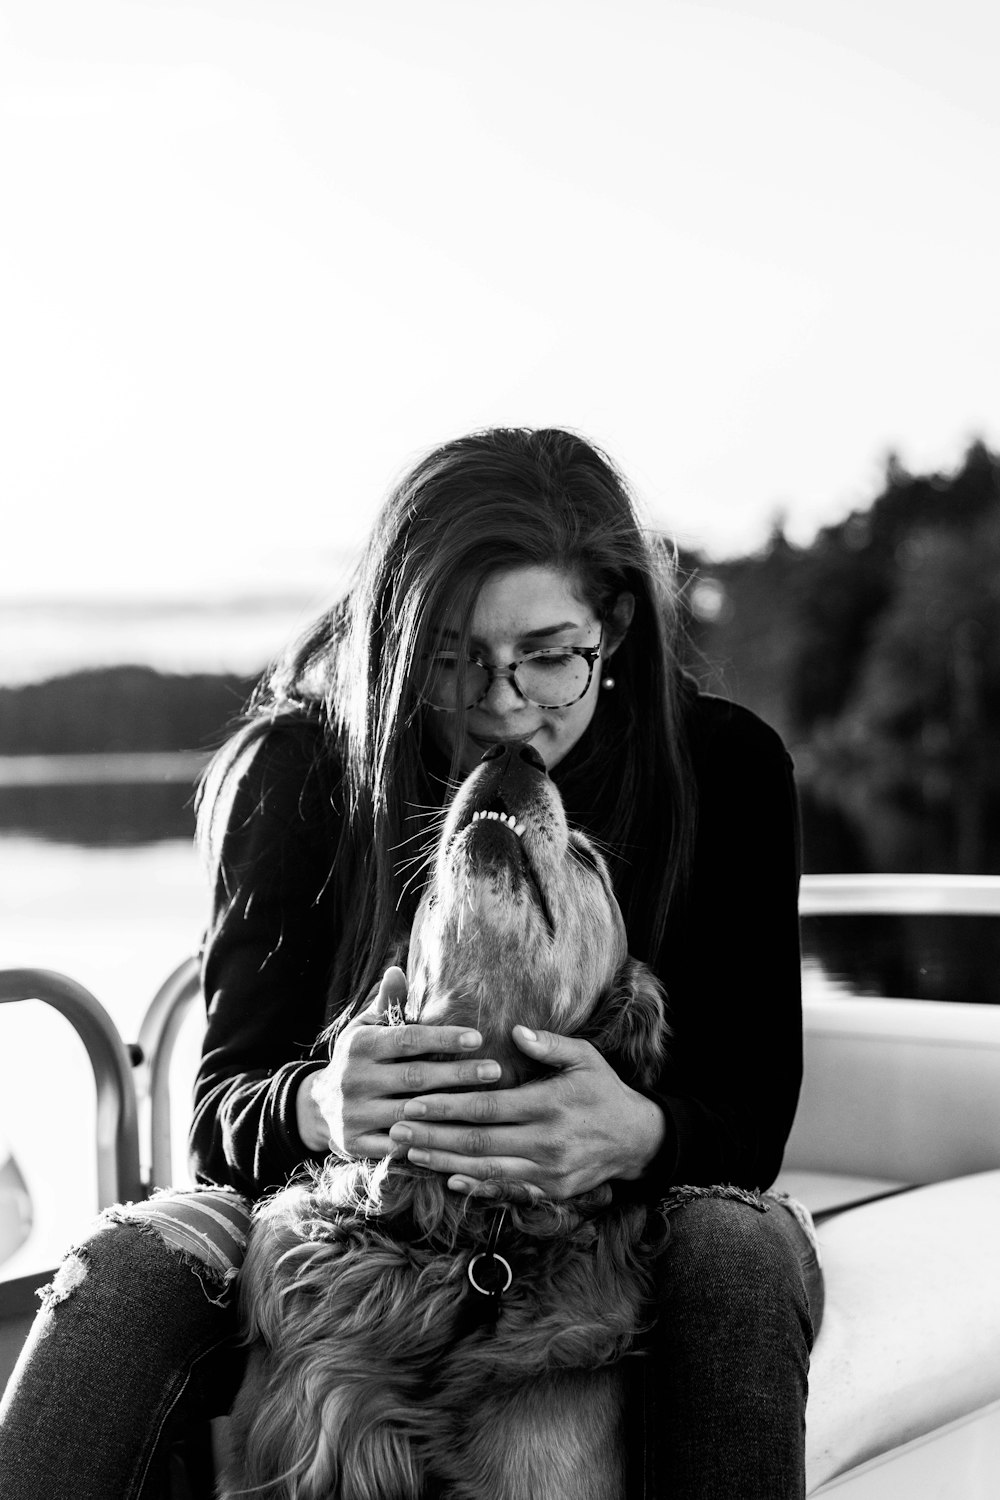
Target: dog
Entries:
(408, 1343)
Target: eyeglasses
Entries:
(553, 678)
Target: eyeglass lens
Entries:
(548, 681)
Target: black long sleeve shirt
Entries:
(729, 963)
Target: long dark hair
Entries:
(498, 499)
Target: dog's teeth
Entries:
(507, 819)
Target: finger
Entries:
(405, 1044)
(404, 1075)
(476, 1169)
(377, 1117)
(373, 1145)
(421, 1039)
(471, 1187)
(392, 990)
(392, 987)
(503, 1106)
(465, 1140)
(374, 1011)
(552, 1049)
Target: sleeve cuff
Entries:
(288, 1150)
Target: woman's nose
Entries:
(501, 697)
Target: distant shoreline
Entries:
(101, 768)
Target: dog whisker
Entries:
(404, 890)
(418, 857)
(423, 835)
(415, 856)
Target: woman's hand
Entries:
(349, 1105)
(559, 1136)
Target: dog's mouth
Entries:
(495, 834)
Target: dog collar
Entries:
(489, 1273)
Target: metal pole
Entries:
(118, 1177)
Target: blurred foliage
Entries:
(882, 635)
(100, 814)
(876, 652)
(114, 709)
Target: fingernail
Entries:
(460, 1184)
(401, 1133)
(488, 1072)
(414, 1110)
(419, 1156)
(470, 1039)
(526, 1031)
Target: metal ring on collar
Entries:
(484, 1291)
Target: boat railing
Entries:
(158, 1035)
(900, 895)
(118, 1174)
(117, 1129)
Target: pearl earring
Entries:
(607, 682)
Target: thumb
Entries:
(392, 987)
(550, 1048)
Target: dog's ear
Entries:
(629, 1024)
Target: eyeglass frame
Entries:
(590, 654)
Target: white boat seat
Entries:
(898, 1090)
(910, 1340)
(832, 1192)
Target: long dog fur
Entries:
(376, 1371)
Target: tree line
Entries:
(875, 649)
(127, 708)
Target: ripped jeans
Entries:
(137, 1335)
(135, 1340)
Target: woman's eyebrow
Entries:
(540, 633)
(544, 630)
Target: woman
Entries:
(502, 559)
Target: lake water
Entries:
(101, 881)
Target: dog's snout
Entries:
(516, 749)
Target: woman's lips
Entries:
(486, 740)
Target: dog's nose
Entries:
(521, 748)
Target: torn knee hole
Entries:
(64, 1283)
(725, 1192)
(210, 1248)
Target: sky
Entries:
(258, 255)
